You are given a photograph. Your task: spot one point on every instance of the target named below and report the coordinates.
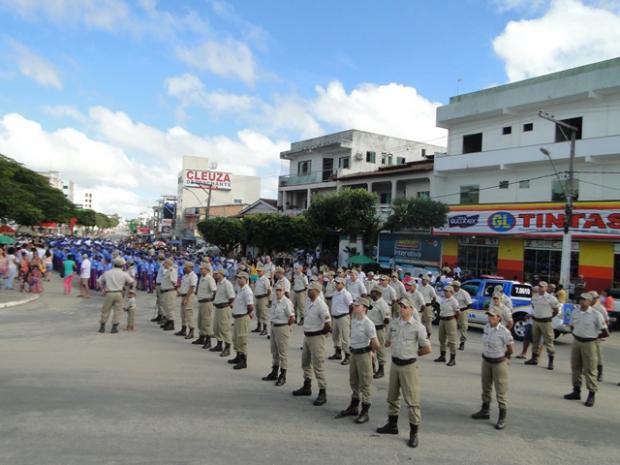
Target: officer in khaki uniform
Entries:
(408, 340)
(464, 300)
(596, 305)
(158, 300)
(448, 316)
(300, 286)
(113, 282)
(205, 292)
(224, 297)
(545, 307)
(262, 291)
(187, 291)
(388, 293)
(399, 290)
(279, 277)
(330, 288)
(243, 306)
(430, 297)
(282, 316)
(496, 351)
(588, 326)
(316, 326)
(363, 342)
(168, 294)
(379, 314)
(340, 311)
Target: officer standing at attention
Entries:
(316, 326)
(168, 293)
(408, 340)
(400, 291)
(464, 300)
(224, 297)
(113, 282)
(243, 306)
(330, 288)
(379, 314)
(363, 342)
(415, 296)
(448, 315)
(545, 307)
(341, 309)
(187, 291)
(430, 296)
(504, 312)
(158, 299)
(280, 277)
(588, 326)
(596, 305)
(300, 286)
(282, 316)
(388, 293)
(496, 351)
(355, 286)
(205, 292)
(262, 291)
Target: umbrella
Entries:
(6, 240)
(361, 260)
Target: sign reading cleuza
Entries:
(204, 178)
(589, 219)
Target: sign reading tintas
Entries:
(207, 178)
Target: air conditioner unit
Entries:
(359, 156)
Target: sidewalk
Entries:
(12, 298)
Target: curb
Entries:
(19, 302)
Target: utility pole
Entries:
(569, 194)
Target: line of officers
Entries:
(364, 319)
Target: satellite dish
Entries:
(213, 165)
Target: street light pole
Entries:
(569, 194)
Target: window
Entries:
(386, 159)
(371, 157)
(557, 190)
(470, 194)
(472, 143)
(423, 152)
(507, 130)
(424, 195)
(385, 198)
(400, 160)
(528, 127)
(563, 134)
(303, 168)
(524, 184)
(344, 162)
(504, 184)
(237, 201)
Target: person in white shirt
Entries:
(464, 300)
(84, 277)
(355, 286)
(282, 316)
(341, 308)
(448, 316)
(599, 307)
(430, 297)
(243, 306)
(205, 292)
(545, 307)
(187, 291)
(262, 292)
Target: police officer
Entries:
(300, 286)
(415, 296)
(279, 277)
(388, 293)
(408, 340)
(168, 293)
(330, 288)
(496, 351)
(187, 291)
(363, 342)
(464, 300)
(504, 312)
(340, 311)
(243, 306)
(448, 315)
(316, 326)
(379, 313)
(430, 297)
(282, 316)
(355, 286)
(158, 299)
(113, 282)
(588, 326)
(399, 290)
(596, 305)
(262, 291)
(205, 292)
(224, 297)
(545, 307)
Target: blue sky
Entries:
(112, 93)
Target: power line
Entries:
(599, 185)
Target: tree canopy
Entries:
(274, 232)
(417, 213)
(226, 233)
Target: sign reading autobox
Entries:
(403, 248)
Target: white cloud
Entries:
(229, 58)
(569, 34)
(36, 67)
(63, 111)
(522, 5)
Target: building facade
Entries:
(67, 187)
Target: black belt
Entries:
(222, 305)
(304, 289)
(493, 360)
(363, 350)
(313, 333)
(328, 297)
(277, 325)
(239, 316)
(585, 339)
(378, 327)
(403, 362)
(202, 301)
(543, 320)
(110, 292)
(261, 296)
(166, 290)
(183, 295)
(336, 317)
(447, 318)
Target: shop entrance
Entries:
(542, 261)
(478, 256)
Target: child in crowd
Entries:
(130, 308)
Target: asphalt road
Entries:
(69, 395)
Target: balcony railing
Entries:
(314, 177)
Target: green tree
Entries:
(417, 213)
(86, 217)
(226, 233)
(273, 232)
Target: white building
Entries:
(67, 188)
(88, 200)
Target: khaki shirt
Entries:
(206, 287)
(341, 302)
(587, 323)
(362, 331)
(169, 278)
(188, 280)
(449, 307)
(388, 294)
(379, 311)
(115, 279)
(504, 313)
(224, 292)
(316, 315)
(262, 286)
(418, 300)
(281, 310)
(287, 287)
(399, 288)
(495, 341)
(244, 298)
(330, 288)
(543, 305)
(603, 311)
(406, 337)
(463, 298)
(269, 269)
(428, 292)
(356, 289)
(300, 282)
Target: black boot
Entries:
(114, 329)
(243, 362)
(347, 359)
(391, 427)
(282, 378)
(337, 355)
(351, 410)
(199, 341)
(501, 420)
(599, 373)
(550, 364)
(380, 373)
(190, 335)
(226, 350)
(305, 390)
(162, 322)
(413, 435)
(321, 398)
(363, 416)
(483, 413)
(207, 344)
(102, 327)
(273, 375)
(258, 329)
(452, 361)
(575, 395)
(169, 325)
(264, 331)
(157, 319)
(234, 361)
(462, 345)
(217, 347)
(590, 399)
(181, 332)
(533, 360)
(442, 357)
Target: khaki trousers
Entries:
(299, 301)
(131, 316)
(463, 325)
(341, 333)
(221, 324)
(544, 330)
(447, 331)
(205, 316)
(169, 300)
(313, 359)
(240, 334)
(279, 346)
(427, 318)
(360, 376)
(112, 300)
(187, 312)
(262, 310)
(599, 352)
(495, 374)
(381, 351)
(405, 380)
(583, 362)
(158, 301)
